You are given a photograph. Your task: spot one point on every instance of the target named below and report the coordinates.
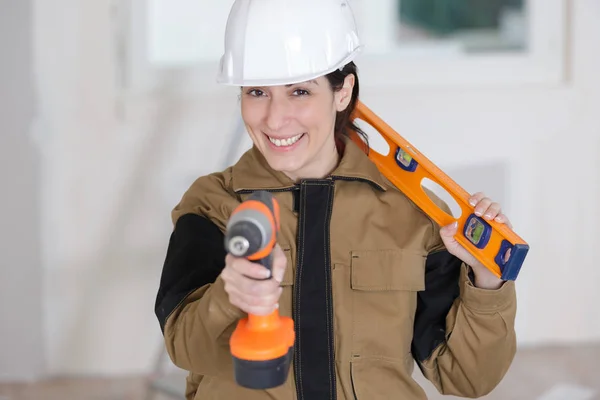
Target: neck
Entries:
(324, 164)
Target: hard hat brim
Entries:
(227, 80)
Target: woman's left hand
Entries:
(488, 210)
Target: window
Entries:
(462, 42)
(466, 26)
(408, 42)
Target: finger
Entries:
(237, 283)
(228, 275)
(502, 218)
(482, 206)
(449, 230)
(268, 300)
(250, 309)
(492, 211)
(244, 286)
(253, 287)
(279, 264)
(247, 268)
(232, 281)
(476, 198)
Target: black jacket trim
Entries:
(442, 274)
(195, 257)
(314, 360)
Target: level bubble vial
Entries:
(477, 231)
(405, 160)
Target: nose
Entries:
(278, 113)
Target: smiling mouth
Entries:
(285, 142)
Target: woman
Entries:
(372, 283)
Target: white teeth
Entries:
(285, 142)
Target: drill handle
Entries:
(267, 262)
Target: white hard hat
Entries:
(278, 42)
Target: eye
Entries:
(301, 92)
(255, 92)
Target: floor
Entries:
(558, 373)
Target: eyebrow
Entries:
(300, 83)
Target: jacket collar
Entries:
(252, 172)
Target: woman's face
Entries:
(293, 125)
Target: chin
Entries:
(285, 166)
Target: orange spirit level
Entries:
(494, 244)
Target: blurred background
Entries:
(109, 110)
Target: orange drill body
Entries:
(262, 338)
(261, 346)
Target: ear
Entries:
(343, 96)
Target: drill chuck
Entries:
(248, 232)
(238, 246)
(245, 235)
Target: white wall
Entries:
(111, 178)
(21, 339)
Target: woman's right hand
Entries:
(254, 296)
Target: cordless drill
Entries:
(261, 346)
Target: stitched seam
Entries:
(432, 223)
(362, 179)
(177, 307)
(327, 302)
(329, 294)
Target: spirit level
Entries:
(494, 244)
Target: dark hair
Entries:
(343, 121)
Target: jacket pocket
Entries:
(288, 277)
(385, 284)
(285, 301)
(384, 270)
(380, 378)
